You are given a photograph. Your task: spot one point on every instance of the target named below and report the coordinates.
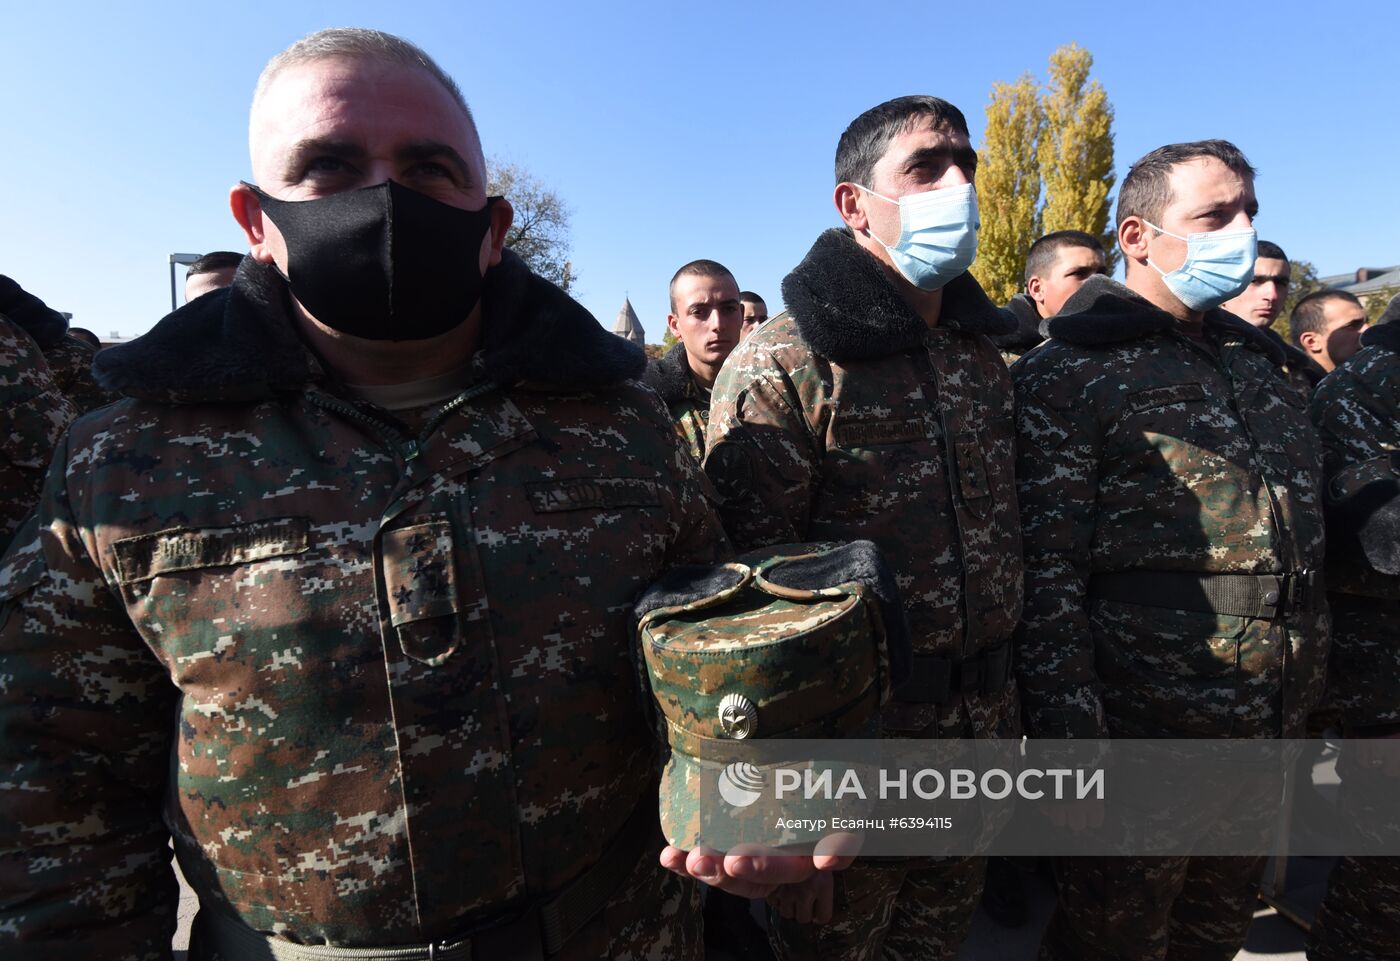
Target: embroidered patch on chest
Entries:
(146, 556)
(592, 493)
(871, 433)
(1165, 396)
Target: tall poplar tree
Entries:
(1076, 149)
(1008, 187)
(1052, 144)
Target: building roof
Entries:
(1377, 278)
(628, 325)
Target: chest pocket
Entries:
(147, 556)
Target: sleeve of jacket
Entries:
(86, 722)
(700, 538)
(33, 413)
(1056, 485)
(1358, 426)
(760, 453)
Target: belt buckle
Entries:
(1302, 589)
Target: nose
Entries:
(953, 177)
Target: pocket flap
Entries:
(146, 556)
(1165, 396)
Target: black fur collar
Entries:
(1103, 312)
(1385, 336)
(1029, 326)
(1386, 331)
(47, 326)
(847, 307)
(669, 375)
(239, 344)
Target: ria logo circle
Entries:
(741, 784)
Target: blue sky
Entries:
(674, 131)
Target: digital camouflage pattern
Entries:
(785, 642)
(847, 417)
(380, 684)
(899, 910)
(1357, 412)
(689, 403)
(1151, 909)
(33, 413)
(907, 442)
(71, 362)
(1140, 449)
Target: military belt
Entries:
(536, 934)
(936, 680)
(1244, 595)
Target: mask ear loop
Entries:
(870, 230)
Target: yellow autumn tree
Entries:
(1076, 149)
(1008, 187)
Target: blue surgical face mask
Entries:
(937, 234)
(1219, 265)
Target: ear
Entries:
(673, 324)
(848, 205)
(502, 216)
(1312, 342)
(247, 210)
(1036, 288)
(1133, 234)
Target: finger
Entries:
(768, 868)
(673, 859)
(838, 851)
(705, 864)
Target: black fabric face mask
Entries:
(383, 262)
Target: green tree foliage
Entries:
(1302, 280)
(670, 340)
(1052, 144)
(1076, 150)
(1008, 187)
(1377, 302)
(540, 232)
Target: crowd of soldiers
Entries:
(328, 580)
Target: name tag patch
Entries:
(871, 433)
(146, 556)
(592, 493)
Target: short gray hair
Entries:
(358, 43)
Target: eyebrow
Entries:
(961, 156)
(304, 150)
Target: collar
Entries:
(40, 321)
(1029, 326)
(847, 307)
(669, 375)
(1104, 312)
(240, 344)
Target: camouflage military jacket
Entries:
(380, 682)
(1357, 412)
(670, 377)
(1298, 368)
(71, 362)
(847, 417)
(1142, 450)
(68, 358)
(1021, 310)
(33, 413)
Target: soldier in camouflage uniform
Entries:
(1169, 489)
(875, 407)
(69, 358)
(1357, 412)
(705, 319)
(33, 413)
(363, 652)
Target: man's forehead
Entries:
(1271, 267)
(694, 288)
(1204, 179)
(1338, 310)
(1073, 255)
(922, 133)
(371, 96)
